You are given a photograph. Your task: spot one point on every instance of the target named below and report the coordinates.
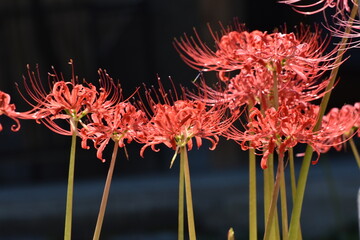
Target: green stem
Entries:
(293, 182)
(266, 193)
(275, 90)
(355, 151)
(252, 196)
(70, 186)
(268, 189)
(181, 200)
(296, 212)
(292, 173)
(105, 196)
(272, 210)
(189, 204)
(284, 213)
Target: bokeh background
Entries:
(132, 40)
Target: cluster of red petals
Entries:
(282, 129)
(339, 30)
(256, 87)
(119, 123)
(288, 54)
(316, 6)
(343, 26)
(94, 114)
(66, 100)
(346, 120)
(176, 122)
(8, 109)
(297, 60)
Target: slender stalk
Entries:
(181, 200)
(268, 190)
(355, 151)
(296, 212)
(266, 193)
(70, 186)
(105, 196)
(252, 191)
(276, 230)
(275, 90)
(252, 196)
(275, 193)
(292, 173)
(293, 182)
(189, 204)
(284, 213)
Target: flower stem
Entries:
(105, 196)
(293, 182)
(70, 186)
(296, 212)
(268, 189)
(284, 213)
(275, 90)
(189, 204)
(181, 200)
(266, 192)
(292, 173)
(252, 196)
(275, 193)
(355, 151)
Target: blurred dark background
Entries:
(132, 40)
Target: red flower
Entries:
(317, 6)
(119, 123)
(8, 109)
(345, 120)
(341, 19)
(67, 100)
(299, 54)
(176, 122)
(339, 30)
(256, 87)
(282, 129)
(248, 63)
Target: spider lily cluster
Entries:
(269, 79)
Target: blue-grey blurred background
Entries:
(132, 39)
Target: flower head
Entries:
(119, 123)
(345, 120)
(176, 122)
(250, 62)
(344, 23)
(8, 109)
(317, 6)
(287, 54)
(282, 129)
(66, 100)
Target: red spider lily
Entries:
(176, 122)
(346, 120)
(119, 123)
(296, 61)
(256, 87)
(67, 100)
(357, 124)
(317, 6)
(354, 31)
(283, 129)
(299, 54)
(8, 109)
